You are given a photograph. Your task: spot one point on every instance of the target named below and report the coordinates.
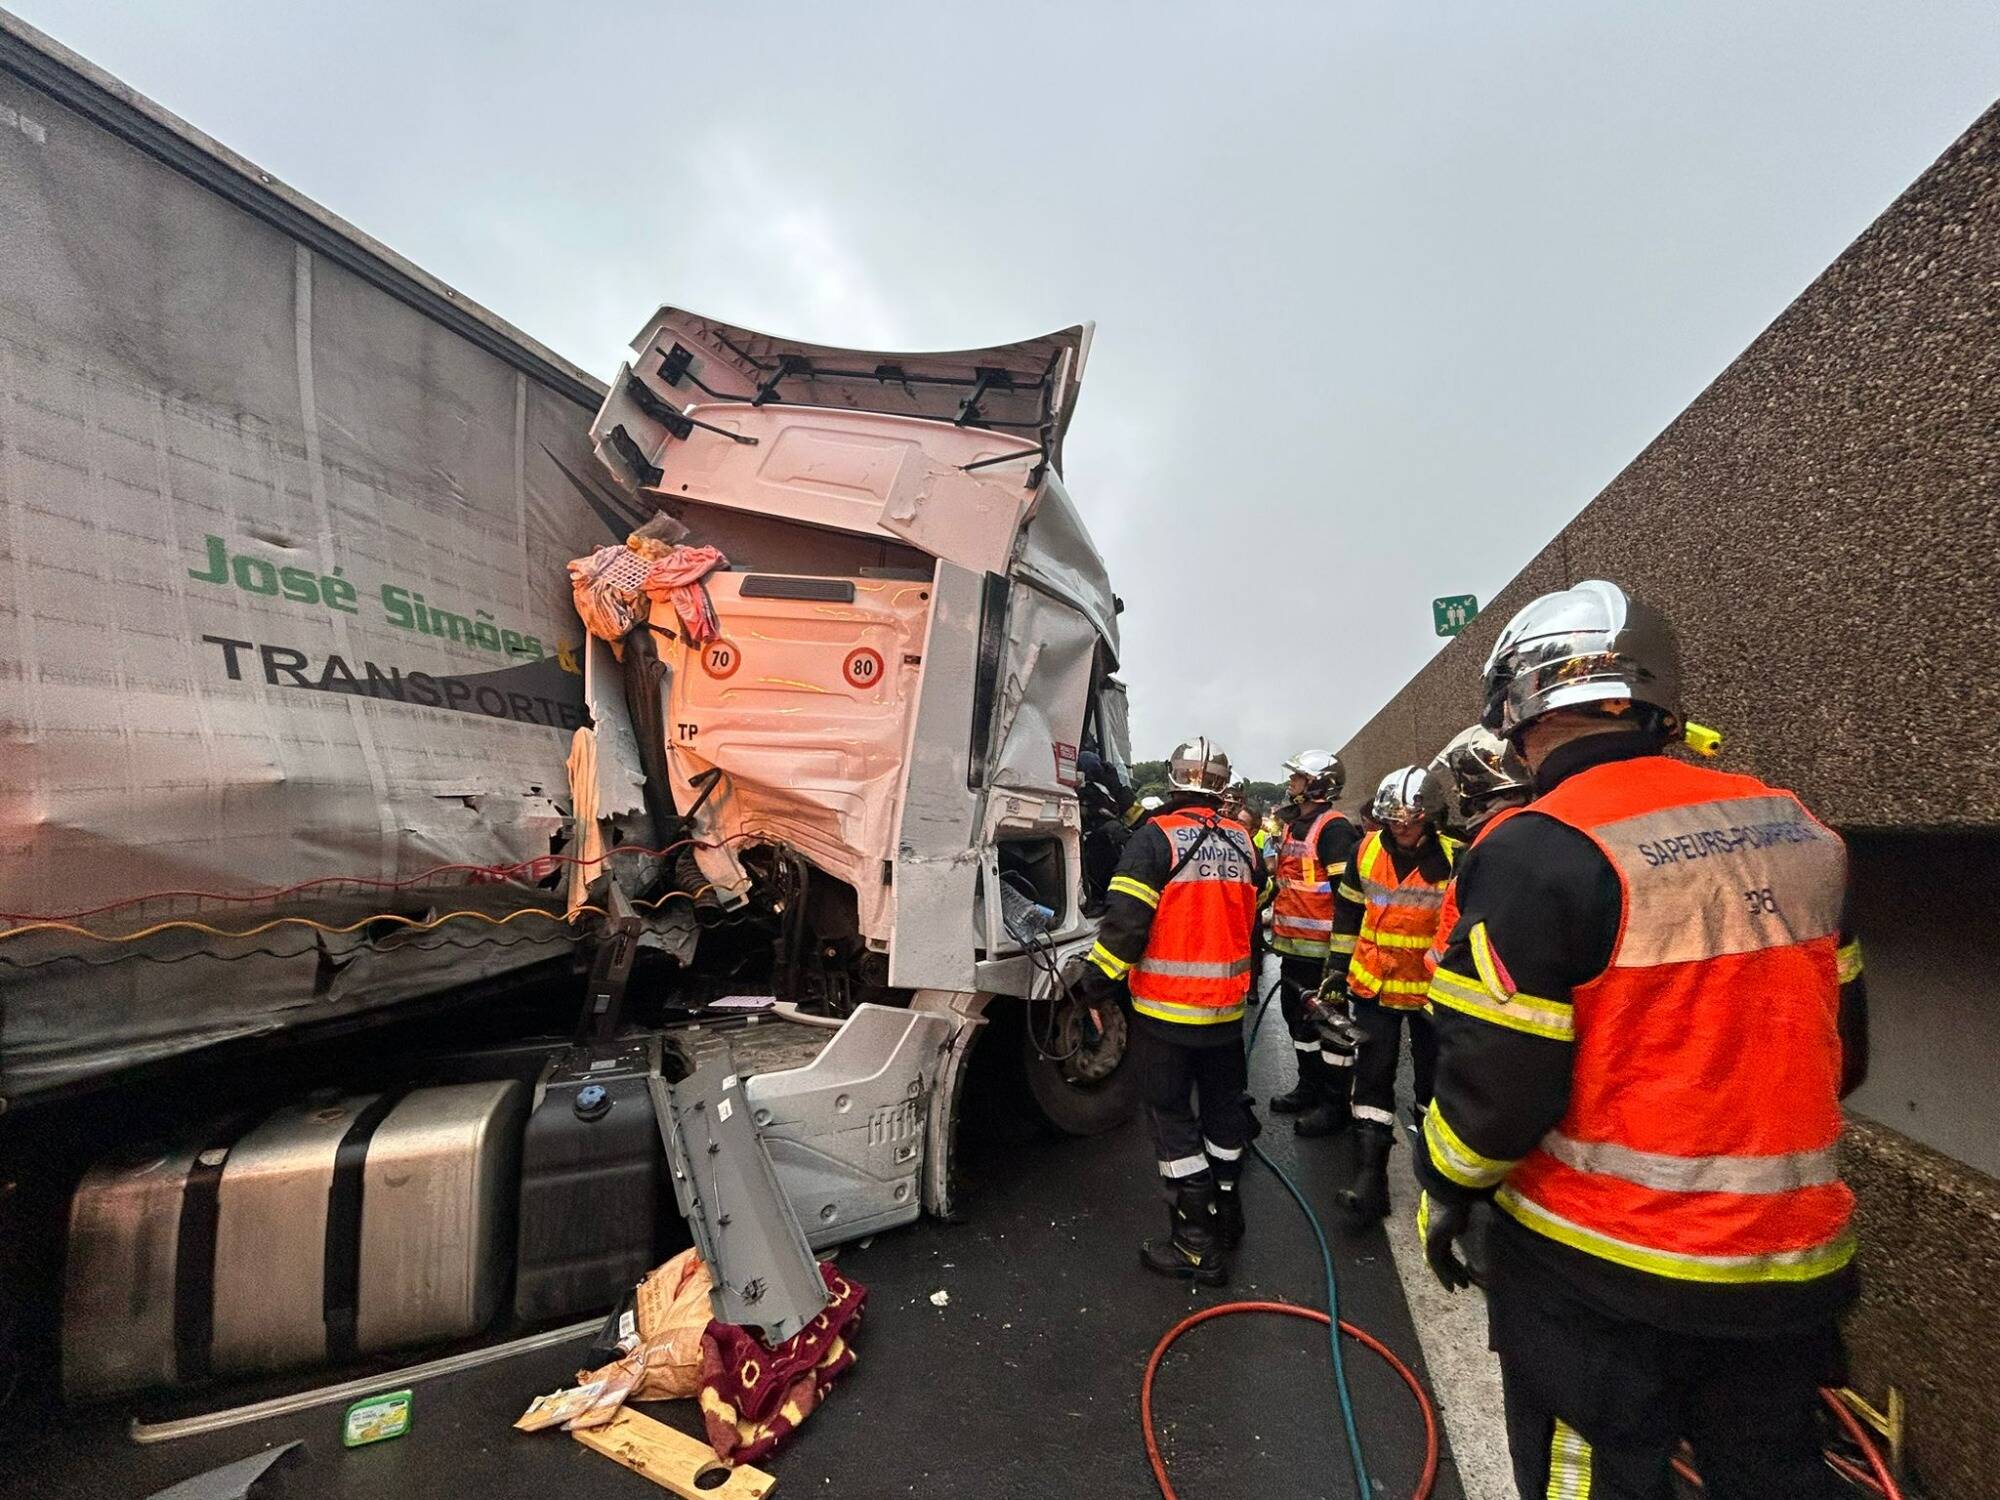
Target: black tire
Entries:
(1072, 1108)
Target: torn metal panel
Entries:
(743, 1225)
(1114, 722)
(240, 1480)
(1056, 552)
(937, 855)
(954, 1064)
(792, 725)
(1050, 661)
(894, 479)
(621, 779)
(1028, 387)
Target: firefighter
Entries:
(1106, 803)
(1486, 777)
(1647, 1015)
(1313, 853)
(1176, 934)
(1385, 913)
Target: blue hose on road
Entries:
(1363, 1488)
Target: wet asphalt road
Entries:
(1025, 1384)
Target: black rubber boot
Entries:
(1324, 1118)
(1329, 1114)
(1305, 1093)
(1229, 1216)
(1192, 1250)
(1366, 1203)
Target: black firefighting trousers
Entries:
(1194, 1102)
(1597, 1407)
(1375, 1062)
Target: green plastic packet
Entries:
(376, 1419)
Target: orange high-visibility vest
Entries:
(1705, 1099)
(1448, 908)
(1302, 910)
(1196, 968)
(1398, 920)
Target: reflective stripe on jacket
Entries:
(1704, 1114)
(1398, 920)
(1196, 967)
(1448, 908)
(1302, 910)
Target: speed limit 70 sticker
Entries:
(720, 658)
(863, 667)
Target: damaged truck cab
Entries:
(915, 642)
(380, 943)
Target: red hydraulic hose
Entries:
(1287, 1309)
(1882, 1481)
(1876, 1478)
(1866, 1439)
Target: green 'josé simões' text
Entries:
(406, 609)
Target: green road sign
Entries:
(1453, 613)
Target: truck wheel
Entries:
(1076, 1087)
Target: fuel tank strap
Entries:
(341, 1283)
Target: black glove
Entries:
(1440, 1223)
(1081, 979)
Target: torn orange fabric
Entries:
(676, 579)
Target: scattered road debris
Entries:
(673, 1460)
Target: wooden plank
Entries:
(671, 1459)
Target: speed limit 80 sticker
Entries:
(863, 667)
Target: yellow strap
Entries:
(1343, 942)
(1138, 890)
(1347, 892)
(1458, 1161)
(1847, 962)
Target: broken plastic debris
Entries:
(940, 1298)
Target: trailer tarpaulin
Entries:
(282, 598)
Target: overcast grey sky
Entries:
(1385, 293)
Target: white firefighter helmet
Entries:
(1198, 765)
(1409, 794)
(1481, 768)
(1592, 647)
(1324, 773)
